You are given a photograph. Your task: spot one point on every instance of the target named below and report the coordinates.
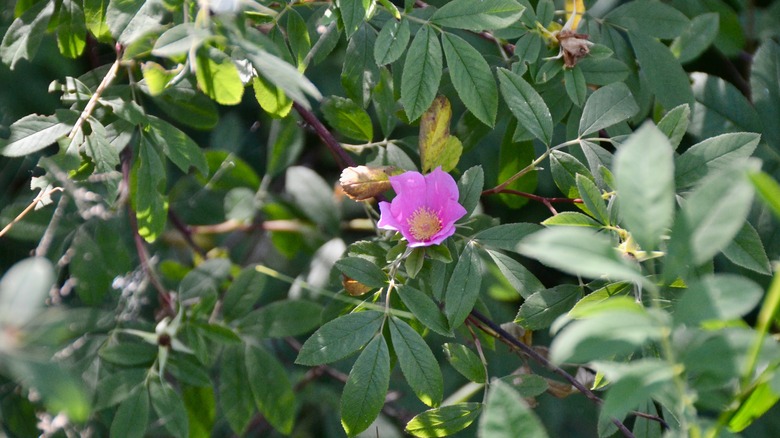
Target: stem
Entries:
(544, 200)
(96, 95)
(341, 156)
(29, 208)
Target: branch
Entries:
(544, 200)
(96, 95)
(341, 156)
(501, 334)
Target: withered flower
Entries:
(361, 183)
(574, 46)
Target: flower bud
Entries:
(362, 183)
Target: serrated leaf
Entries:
(353, 13)
(283, 75)
(516, 274)
(478, 16)
(651, 18)
(71, 29)
(542, 308)
(129, 20)
(392, 41)
(271, 98)
(663, 72)
(281, 319)
(362, 270)
(711, 155)
(470, 187)
(696, 38)
(580, 252)
(176, 145)
(718, 297)
(591, 198)
(465, 362)
(235, 395)
(179, 40)
(298, 37)
(421, 73)
(418, 364)
(360, 73)
(348, 118)
(598, 297)
(366, 387)
(508, 415)
(271, 387)
(766, 90)
(424, 309)
(565, 168)
(218, 77)
(437, 147)
(463, 288)
(527, 105)
(576, 86)
(746, 250)
(471, 77)
(607, 106)
(25, 34)
(148, 184)
(443, 421)
(644, 174)
(675, 123)
(720, 108)
(506, 236)
(572, 219)
(33, 133)
(603, 71)
(339, 338)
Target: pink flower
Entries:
(424, 209)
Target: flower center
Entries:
(424, 224)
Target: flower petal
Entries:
(387, 221)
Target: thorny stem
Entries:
(163, 295)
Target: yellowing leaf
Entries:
(437, 146)
(157, 77)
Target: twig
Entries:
(544, 200)
(185, 231)
(163, 295)
(341, 156)
(96, 95)
(29, 208)
(48, 235)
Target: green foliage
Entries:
(186, 263)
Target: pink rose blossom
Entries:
(424, 209)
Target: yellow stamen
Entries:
(424, 224)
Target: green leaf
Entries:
(644, 174)
(463, 288)
(205, 279)
(201, 410)
(348, 118)
(576, 86)
(169, 407)
(192, 109)
(129, 20)
(592, 199)
(366, 388)
(766, 90)
(95, 17)
(696, 38)
(313, 196)
(353, 14)
(443, 421)
(720, 108)
(418, 364)
(508, 415)
(651, 18)
(235, 394)
(283, 75)
(471, 77)
(746, 250)
(711, 155)
(339, 338)
(363, 271)
(271, 387)
(465, 362)
(675, 123)
(579, 251)
(617, 329)
(25, 34)
(634, 383)
(542, 308)
(663, 72)
(478, 16)
(242, 294)
(718, 297)
(271, 98)
(286, 143)
(598, 297)
(180, 40)
(565, 168)
(129, 354)
(176, 145)
(526, 104)
(385, 102)
(392, 41)
(516, 274)
(768, 189)
(514, 157)
(470, 187)
(115, 387)
(71, 29)
(33, 133)
(281, 319)
(23, 291)
(603, 71)
(506, 236)
(424, 309)
(714, 213)
(572, 219)
(218, 77)
(132, 417)
(96, 262)
(760, 400)
(360, 73)
(148, 187)
(421, 73)
(607, 106)
(298, 37)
